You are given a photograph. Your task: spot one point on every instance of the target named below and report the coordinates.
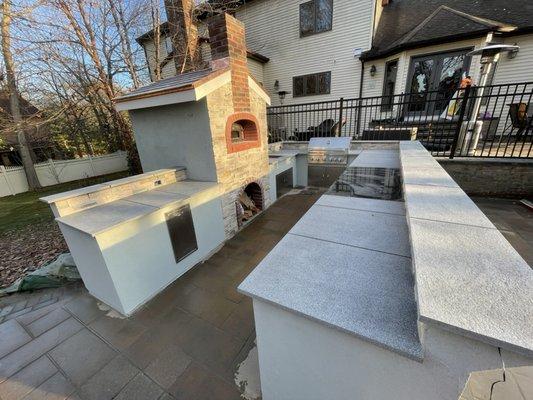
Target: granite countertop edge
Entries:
(417, 356)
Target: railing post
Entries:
(359, 112)
(340, 115)
(459, 126)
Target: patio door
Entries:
(433, 80)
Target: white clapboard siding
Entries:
(273, 30)
(13, 179)
(520, 68)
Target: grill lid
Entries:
(330, 143)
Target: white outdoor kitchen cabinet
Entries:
(133, 237)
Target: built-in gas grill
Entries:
(327, 158)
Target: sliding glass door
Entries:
(433, 80)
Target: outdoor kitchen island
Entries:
(132, 237)
(367, 298)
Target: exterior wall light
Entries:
(282, 94)
(513, 53)
(373, 70)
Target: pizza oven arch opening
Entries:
(242, 132)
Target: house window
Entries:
(316, 16)
(434, 79)
(389, 85)
(310, 85)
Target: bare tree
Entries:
(120, 23)
(14, 98)
(156, 28)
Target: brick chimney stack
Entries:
(184, 34)
(228, 48)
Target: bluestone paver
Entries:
(140, 388)
(28, 378)
(31, 351)
(12, 336)
(54, 388)
(47, 322)
(109, 380)
(168, 366)
(82, 355)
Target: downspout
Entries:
(359, 108)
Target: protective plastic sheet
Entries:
(54, 274)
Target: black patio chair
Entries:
(520, 119)
(326, 128)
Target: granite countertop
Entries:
(377, 159)
(282, 155)
(346, 264)
(469, 279)
(107, 216)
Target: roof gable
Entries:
(407, 23)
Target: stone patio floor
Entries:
(185, 344)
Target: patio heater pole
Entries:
(490, 56)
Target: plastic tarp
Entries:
(60, 271)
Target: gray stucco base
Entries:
(492, 177)
(301, 359)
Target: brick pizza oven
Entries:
(212, 122)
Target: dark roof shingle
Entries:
(174, 83)
(410, 23)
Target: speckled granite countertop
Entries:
(469, 279)
(346, 264)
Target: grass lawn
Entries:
(25, 209)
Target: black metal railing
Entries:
(490, 121)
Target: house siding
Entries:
(273, 29)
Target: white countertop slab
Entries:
(365, 293)
(101, 218)
(377, 159)
(470, 280)
(156, 198)
(430, 176)
(362, 204)
(442, 203)
(372, 230)
(187, 187)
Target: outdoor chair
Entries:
(327, 128)
(520, 119)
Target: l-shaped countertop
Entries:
(375, 268)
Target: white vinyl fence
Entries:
(13, 179)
